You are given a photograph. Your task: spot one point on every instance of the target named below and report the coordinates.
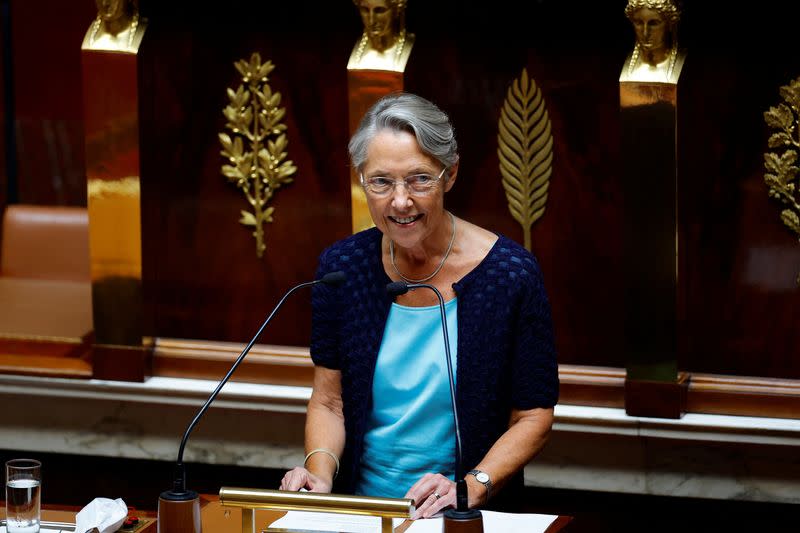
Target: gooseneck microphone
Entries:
(462, 518)
(176, 513)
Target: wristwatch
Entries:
(483, 478)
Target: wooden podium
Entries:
(216, 518)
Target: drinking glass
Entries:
(23, 495)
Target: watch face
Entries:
(483, 477)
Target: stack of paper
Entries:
(492, 521)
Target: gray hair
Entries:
(412, 114)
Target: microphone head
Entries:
(396, 288)
(333, 278)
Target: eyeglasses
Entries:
(416, 184)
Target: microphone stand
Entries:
(462, 519)
(179, 508)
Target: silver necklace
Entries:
(438, 268)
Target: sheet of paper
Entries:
(331, 522)
(492, 522)
(516, 522)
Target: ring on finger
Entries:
(437, 495)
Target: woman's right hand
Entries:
(299, 478)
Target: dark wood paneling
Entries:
(656, 398)
(575, 61)
(716, 394)
(204, 281)
(736, 295)
(45, 366)
(202, 276)
(46, 43)
(280, 365)
(43, 357)
(591, 385)
(580, 385)
(202, 270)
(738, 261)
(5, 26)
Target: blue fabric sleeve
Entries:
(325, 315)
(535, 375)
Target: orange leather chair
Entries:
(45, 242)
(45, 282)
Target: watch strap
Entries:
(487, 483)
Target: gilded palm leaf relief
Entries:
(254, 117)
(525, 149)
(781, 163)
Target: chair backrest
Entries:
(45, 242)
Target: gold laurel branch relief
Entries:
(525, 149)
(781, 162)
(254, 117)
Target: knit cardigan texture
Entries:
(506, 357)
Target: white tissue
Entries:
(102, 515)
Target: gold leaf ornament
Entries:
(253, 116)
(781, 176)
(525, 150)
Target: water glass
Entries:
(23, 495)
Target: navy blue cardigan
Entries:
(506, 357)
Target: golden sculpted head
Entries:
(115, 15)
(384, 45)
(383, 21)
(117, 27)
(667, 8)
(655, 23)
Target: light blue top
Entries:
(410, 430)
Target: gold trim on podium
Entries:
(251, 499)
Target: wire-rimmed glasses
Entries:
(415, 184)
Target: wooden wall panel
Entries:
(5, 25)
(737, 297)
(46, 46)
(575, 62)
(204, 278)
(467, 76)
(739, 262)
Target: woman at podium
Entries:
(380, 420)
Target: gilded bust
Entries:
(655, 57)
(385, 44)
(117, 28)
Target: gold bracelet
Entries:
(328, 452)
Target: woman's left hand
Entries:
(431, 494)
